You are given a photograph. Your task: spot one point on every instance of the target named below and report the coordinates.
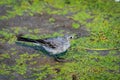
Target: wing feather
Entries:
(50, 42)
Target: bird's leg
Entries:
(58, 59)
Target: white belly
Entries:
(58, 50)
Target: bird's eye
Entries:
(71, 37)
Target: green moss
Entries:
(7, 36)
(4, 69)
(5, 55)
(43, 72)
(36, 31)
(75, 25)
(52, 20)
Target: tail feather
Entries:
(20, 38)
(41, 41)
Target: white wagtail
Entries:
(53, 46)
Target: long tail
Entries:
(41, 41)
(20, 38)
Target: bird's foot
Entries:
(58, 59)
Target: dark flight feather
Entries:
(42, 41)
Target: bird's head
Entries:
(69, 37)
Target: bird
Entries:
(54, 45)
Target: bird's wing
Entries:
(50, 42)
